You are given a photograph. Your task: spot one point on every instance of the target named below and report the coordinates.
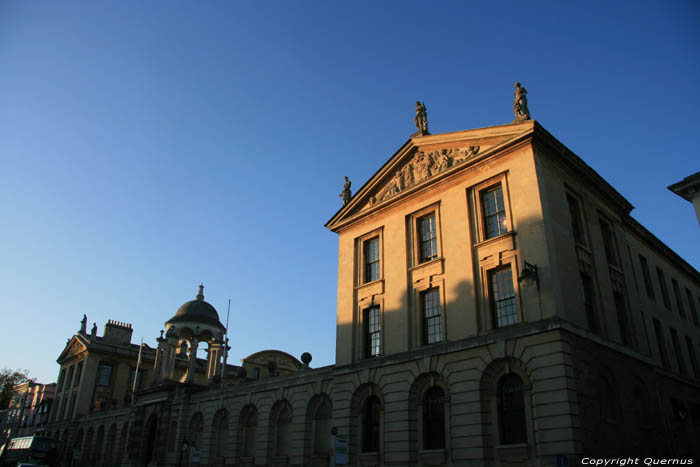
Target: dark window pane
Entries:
(105, 374)
(372, 332)
(434, 419)
(660, 343)
(679, 298)
(494, 212)
(664, 290)
(609, 243)
(371, 260)
(621, 310)
(677, 351)
(432, 316)
(589, 302)
(511, 405)
(693, 310)
(370, 424)
(576, 221)
(647, 279)
(502, 297)
(427, 233)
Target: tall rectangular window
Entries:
(576, 219)
(679, 297)
(664, 290)
(677, 351)
(372, 331)
(371, 252)
(693, 310)
(61, 380)
(432, 316)
(609, 243)
(660, 343)
(589, 302)
(78, 373)
(693, 358)
(621, 310)
(427, 233)
(494, 211)
(647, 278)
(502, 295)
(104, 375)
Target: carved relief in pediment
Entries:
(421, 167)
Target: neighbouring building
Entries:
(497, 306)
(28, 411)
(689, 189)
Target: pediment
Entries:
(73, 347)
(419, 168)
(423, 159)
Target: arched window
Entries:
(219, 430)
(196, 427)
(77, 446)
(249, 426)
(608, 400)
(122, 444)
(511, 410)
(151, 441)
(371, 424)
(109, 447)
(322, 428)
(99, 441)
(284, 431)
(434, 418)
(88, 449)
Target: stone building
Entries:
(497, 305)
(689, 189)
(28, 410)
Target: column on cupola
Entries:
(214, 364)
(194, 343)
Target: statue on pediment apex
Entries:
(421, 118)
(346, 194)
(520, 108)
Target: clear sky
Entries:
(146, 147)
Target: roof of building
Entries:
(687, 187)
(197, 311)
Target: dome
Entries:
(197, 312)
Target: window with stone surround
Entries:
(432, 315)
(677, 350)
(511, 410)
(372, 325)
(494, 211)
(427, 238)
(693, 310)
(104, 374)
(434, 418)
(502, 297)
(679, 297)
(577, 220)
(693, 358)
(609, 243)
(664, 289)
(371, 411)
(589, 306)
(491, 209)
(371, 258)
(658, 332)
(647, 277)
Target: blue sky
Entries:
(146, 147)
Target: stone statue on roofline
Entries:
(421, 119)
(83, 324)
(520, 109)
(346, 194)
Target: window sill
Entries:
(425, 264)
(378, 284)
(496, 239)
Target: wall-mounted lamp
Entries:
(529, 275)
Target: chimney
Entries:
(117, 332)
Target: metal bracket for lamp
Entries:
(529, 275)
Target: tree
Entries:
(9, 379)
